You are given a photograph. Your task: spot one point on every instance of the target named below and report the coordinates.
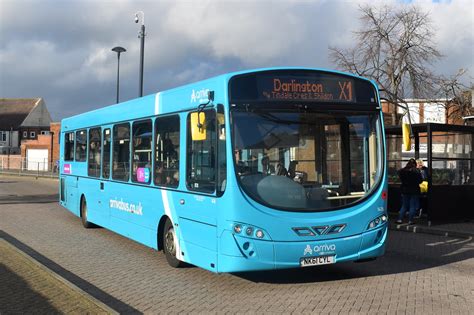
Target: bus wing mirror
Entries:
(198, 126)
(406, 136)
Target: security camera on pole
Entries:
(141, 35)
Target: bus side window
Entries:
(81, 145)
(106, 153)
(167, 151)
(93, 168)
(201, 156)
(121, 152)
(69, 146)
(141, 161)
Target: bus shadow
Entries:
(406, 252)
(83, 284)
(23, 199)
(19, 297)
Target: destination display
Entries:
(302, 86)
(309, 89)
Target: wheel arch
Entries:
(159, 234)
(83, 197)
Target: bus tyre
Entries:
(169, 245)
(85, 223)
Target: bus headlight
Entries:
(237, 228)
(378, 221)
(250, 231)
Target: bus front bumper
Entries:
(238, 253)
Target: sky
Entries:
(60, 50)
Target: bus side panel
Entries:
(198, 242)
(72, 198)
(97, 209)
(134, 211)
(200, 256)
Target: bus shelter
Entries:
(447, 152)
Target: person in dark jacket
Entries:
(424, 176)
(410, 188)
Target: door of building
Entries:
(37, 159)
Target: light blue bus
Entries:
(254, 170)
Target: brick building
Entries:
(21, 119)
(42, 152)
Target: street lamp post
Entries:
(141, 35)
(118, 50)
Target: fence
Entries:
(18, 165)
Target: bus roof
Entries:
(186, 97)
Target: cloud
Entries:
(60, 50)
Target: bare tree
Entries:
(458, 96)
(395, 48)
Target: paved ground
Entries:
(424, 274)
(31, 288)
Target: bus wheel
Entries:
(169, 245)
(85, 223)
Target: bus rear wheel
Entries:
(169, 245)
(85, 223)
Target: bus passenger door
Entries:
(105, 174)
(205, 180)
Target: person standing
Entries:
(423, 187)
(410, 190)
(422, 168)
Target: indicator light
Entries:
(249, 231)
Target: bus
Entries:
(255, 170)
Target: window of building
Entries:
(167, 151)
(141, 163)
(44, 132)
(93, 168)
(32, 134)
(106, 154)
(69, 146)
(81, 145)
(121, 152)
(25, 134)
(201, 156)
(3, 136)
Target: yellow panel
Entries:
(406, 137)
(198, 134)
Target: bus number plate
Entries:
(319, 260)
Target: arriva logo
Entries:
(319, 249)
(324, 248)
(199, 95)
